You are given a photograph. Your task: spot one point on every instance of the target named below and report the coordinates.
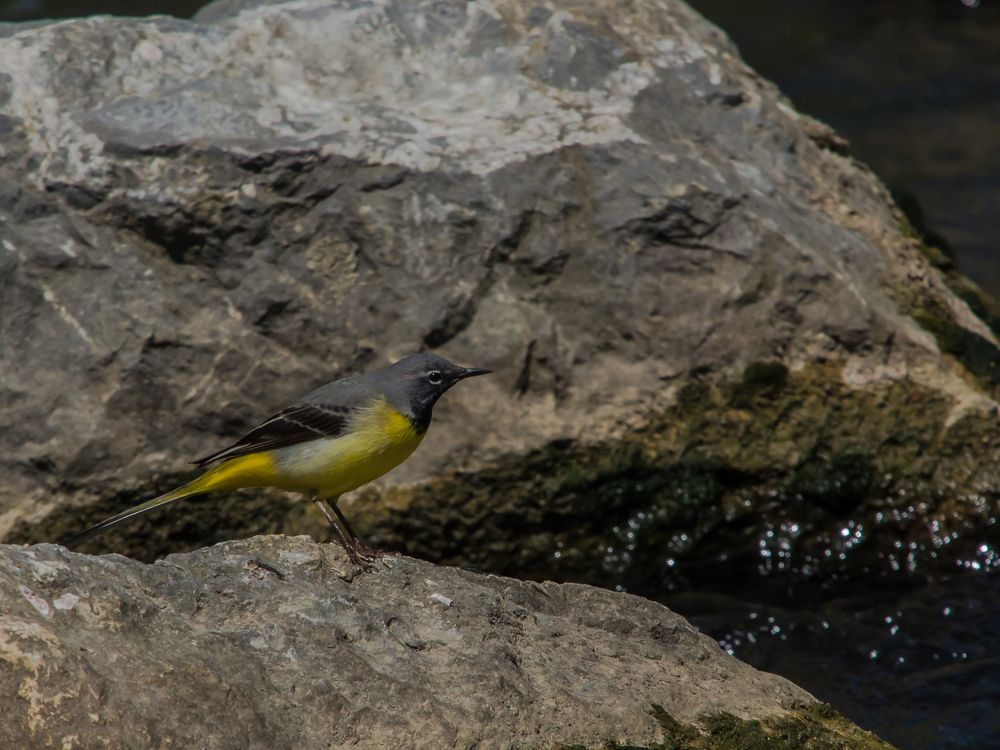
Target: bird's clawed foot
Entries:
(357, 556)
(357, 551)
(371, 554)
(361, 554)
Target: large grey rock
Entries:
(705, 319)
(277, 642)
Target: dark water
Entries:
(918, 663)
(915, 86)
(30, 10)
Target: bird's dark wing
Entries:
(299, 423)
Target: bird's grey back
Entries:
(354, 391)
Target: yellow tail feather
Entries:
(246, 471)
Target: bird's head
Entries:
(415, 383)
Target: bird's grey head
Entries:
(415, 383)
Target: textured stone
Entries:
(201, 220)
(278, 642)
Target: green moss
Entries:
(913, 224)
(937, 258)
(760, 380)
(676, 736)
(978, 355)
(813, 727)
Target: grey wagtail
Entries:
(339, 437)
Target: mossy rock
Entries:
(978, 355)
(975, 353)
(773, 461)
(813, 727)
(704, 487)
(760, 380)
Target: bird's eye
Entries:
(434, 377)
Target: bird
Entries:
(333, 440)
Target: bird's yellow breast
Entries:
(378, 439)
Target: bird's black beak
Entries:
(471, 372)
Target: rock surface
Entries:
(277, 642)
(708, 324)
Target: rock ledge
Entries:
(278, 642)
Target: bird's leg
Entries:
(348, 544)
(360, 547)
(343, 521)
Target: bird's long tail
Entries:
(180, 493)
(245, 471)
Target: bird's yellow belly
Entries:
(379, 439)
